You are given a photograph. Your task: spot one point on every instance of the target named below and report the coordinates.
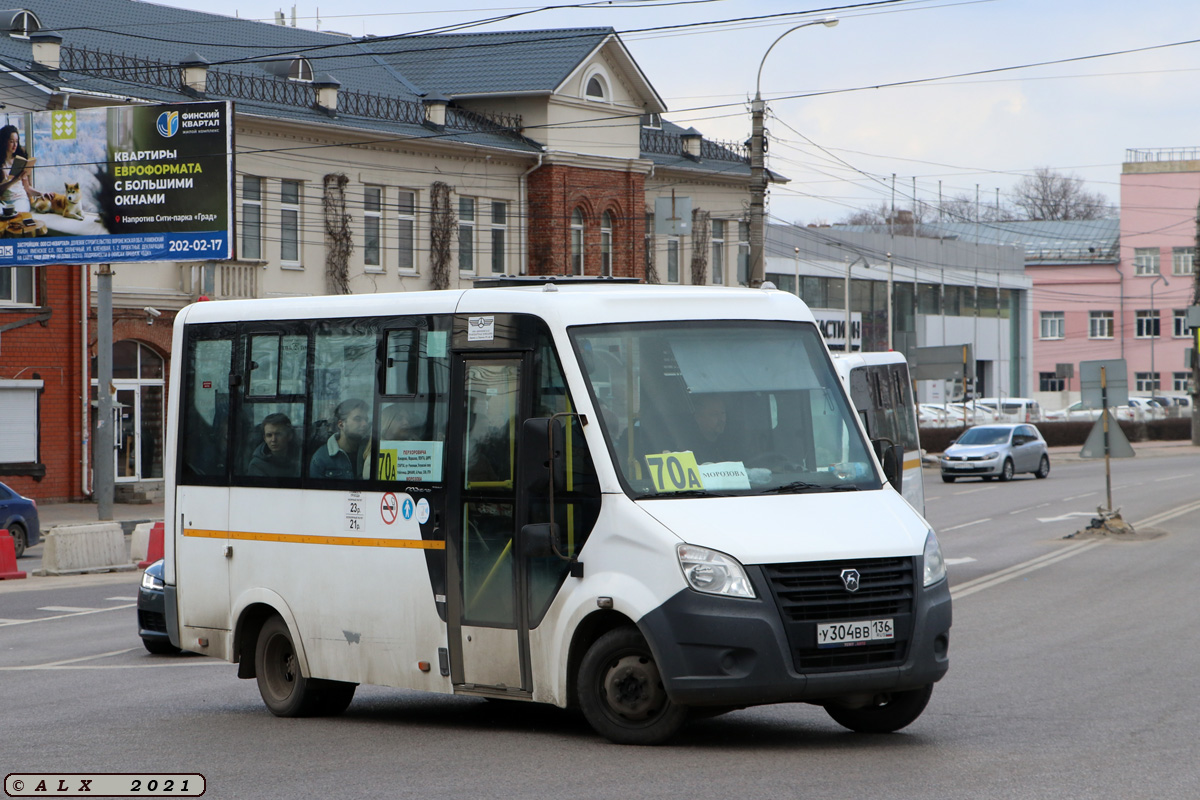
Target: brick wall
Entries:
(49, 350)
(555, 191)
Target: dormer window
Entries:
(22, 23)
(300, 70)
(652, 120)
(595, 88)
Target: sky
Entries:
(838, 138)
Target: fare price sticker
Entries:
(675, 472)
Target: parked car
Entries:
(1150, 408)
(1077, 413)
(1013, 409)
(19, 516)
(152, 612)
(996, 451)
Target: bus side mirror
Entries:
(543, 462)
(539, 540)
(891, 456)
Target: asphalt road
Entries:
(1073, 662)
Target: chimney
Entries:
(47, 48)
(327, 93)
(691, 143)
(435, 109)
(195, 74)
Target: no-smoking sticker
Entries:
(388, 508)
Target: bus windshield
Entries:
(718, 408)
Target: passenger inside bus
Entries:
(277, 455)
(346, 454)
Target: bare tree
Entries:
(964, 208)
(1047, 194)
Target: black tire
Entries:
(621, 692)
(1006, 472)
(285, 691)
(1043, 470)
(890, 713)
(19, 538)
(948, 479)
(160, 648)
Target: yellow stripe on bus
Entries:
(299, 538)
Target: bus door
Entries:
(488, 584)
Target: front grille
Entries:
(150, 621)
(812, 593)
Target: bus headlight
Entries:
(935, 565)
(713, 573)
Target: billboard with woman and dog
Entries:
(126, 183)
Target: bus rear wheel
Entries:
(284, 689)
(621, 692)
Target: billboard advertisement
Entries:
(127, 183)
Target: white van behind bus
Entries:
(645, 502)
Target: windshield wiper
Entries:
(799, 487)
(795, 487)
(684, 493)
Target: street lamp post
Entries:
(758, 174)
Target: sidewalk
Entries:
(128, 514)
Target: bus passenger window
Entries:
(204, 451)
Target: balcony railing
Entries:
(220, 281)
(662, 143)
(1139, 155)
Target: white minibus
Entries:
(643, 502)
(881, 391)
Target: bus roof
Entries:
(567, 303)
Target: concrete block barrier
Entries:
(76, 549)
(139, 544)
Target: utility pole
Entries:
(758, 190)
(105, 436)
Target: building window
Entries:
(1100, 325)
(406, 231)
(1179, 326)
(289, 222)
(1145, 261)
(1179, 381)
(499, 226)
(606, 244)
(1054, 325)
(743, 264)
(672, 259)
(16, 286)
(1147, 324)
(372, 227)
(1146, 381)
(596, 88)
(577, 242)
(718, 252)
(251, 217)
(1050, 382)
(466, 234)
(19, 421)
(300, 70)
(1183, 260)
(23, 24)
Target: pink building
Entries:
(1105, 292)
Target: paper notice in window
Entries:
(724, 475)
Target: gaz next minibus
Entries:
(644, 502)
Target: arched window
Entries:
(24, 23)
(300, 70)
(606, 241)
(596, 88)
(577, 242)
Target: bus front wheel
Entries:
(621, 692)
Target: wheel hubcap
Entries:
(282, 662)
(633, 688)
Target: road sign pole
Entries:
(1107, 449)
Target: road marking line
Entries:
(1076, 497)
(190, 662)
(1172, 478)
(64, 616)
(1066, 516)
(1170, 513)
(67, 608)
(967, 524)
(87, 658)
(1016, 571)
(121, 599)
(968, 491)
(950, 562)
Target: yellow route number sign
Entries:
(675, 472)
